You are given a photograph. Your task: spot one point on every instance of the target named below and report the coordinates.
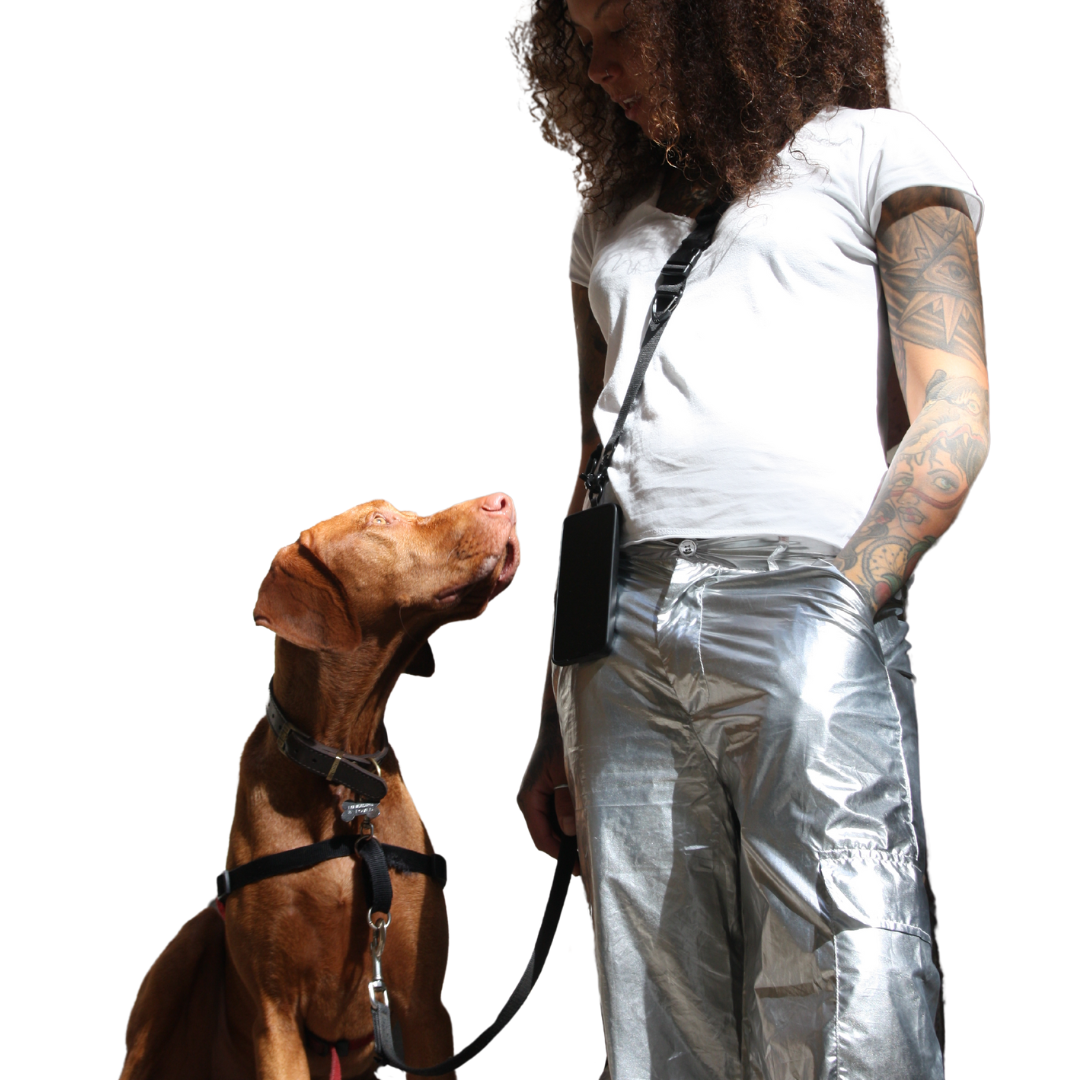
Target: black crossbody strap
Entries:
(387, 1052)
(669, 290)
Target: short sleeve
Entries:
(906, 154)
(581, 251)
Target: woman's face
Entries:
(614, 60)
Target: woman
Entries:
(743, 768)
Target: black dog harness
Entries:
(355, 772)
(351, 771)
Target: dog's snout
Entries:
(498, 503)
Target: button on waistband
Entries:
(687, 547)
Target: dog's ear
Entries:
(301, 600)
(423, 663)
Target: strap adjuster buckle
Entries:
(681, 269)
(595, 477)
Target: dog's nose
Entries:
(498, 503)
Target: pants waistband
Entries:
(737, 552)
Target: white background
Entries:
(262, 261)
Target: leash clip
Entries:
(351, 810)
(377, 987)
(378, 921)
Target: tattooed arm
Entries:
(930, 276)
(543, 798)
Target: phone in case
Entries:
(585, 599)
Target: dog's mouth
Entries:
(510, 562)
(449, 597)
(493, 574)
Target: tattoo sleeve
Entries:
(930, 276)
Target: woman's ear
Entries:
(301, 600)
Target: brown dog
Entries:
(352, 603)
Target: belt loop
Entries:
(777, 552)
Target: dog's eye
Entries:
(378, 519)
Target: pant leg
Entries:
(658, 852)
(839, 980)
(891, 627)
(746, 721)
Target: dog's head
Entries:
(375, 570)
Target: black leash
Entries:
(389, 1054)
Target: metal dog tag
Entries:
(350, 810)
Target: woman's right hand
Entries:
(544, 797)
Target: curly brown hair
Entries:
(735, 79)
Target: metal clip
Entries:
(351, 810)
(375, 987)
(378, 926)
(662, 306)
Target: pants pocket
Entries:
(887, 986)
(875, 889)
(854, 595)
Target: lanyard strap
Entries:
(669, 291)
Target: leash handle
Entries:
(385, 1051)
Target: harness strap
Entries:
(337, 847)
(380, 892)
(350, 770)
(389, 1054)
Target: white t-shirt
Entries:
(758, 414)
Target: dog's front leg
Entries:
(279, 1047)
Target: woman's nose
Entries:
(601, 65)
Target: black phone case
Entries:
(588, 582)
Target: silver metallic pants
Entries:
(745, 771)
